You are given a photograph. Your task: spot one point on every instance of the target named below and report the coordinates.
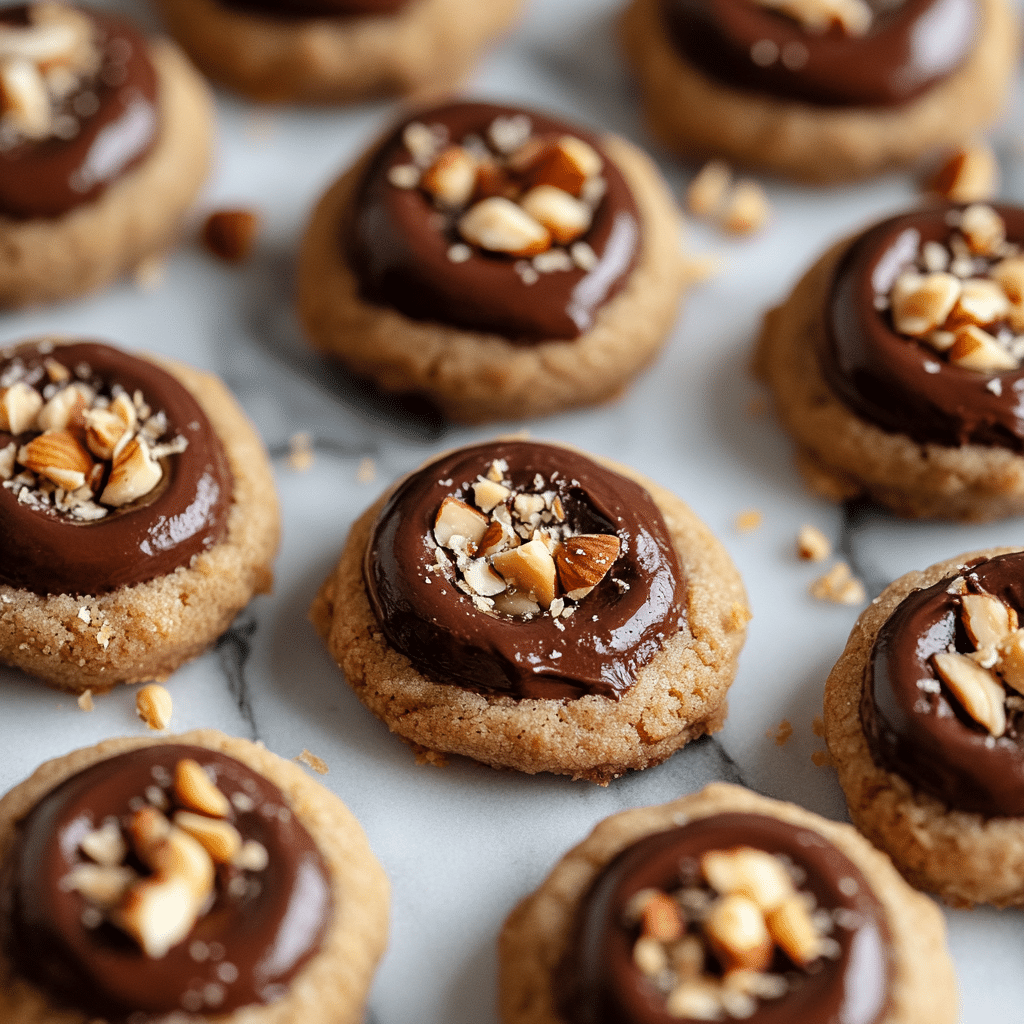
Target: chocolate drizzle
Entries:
(885, 377)
(598, 982)
(184, 516)
(915, 728)
(265, 935)
(117, 119)
(615, 630)
(398, 246)
(910, 46)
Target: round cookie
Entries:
(894, 364)
(295, 879)
(98, 181)
(595, 940)
(144, 506)
(498, 262)
(585, 645)
(336, 51)
(926, 779)
(814, 100)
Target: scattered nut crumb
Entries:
(85, 700)
(230, 234)
(150, 273)
(154, 706)
(367, 471)
(822, 759)
(969, 175)
(782, 733)
(818, 725)
(749, 520)
(318, 764)
(839, 586)
(300, 452)
(812, 545)
(746, 210)
(707, 191)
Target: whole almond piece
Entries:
(736, 929)
(196, 791)
(792, 928)
(221, 840)
(499, 225)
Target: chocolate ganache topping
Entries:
(849, 54)
(924, 327)
(317, 8)
(524, 569)
(109, 842)
(86, 109)
(942, 702)
(657, 938)
(493, 219)
(111, 473)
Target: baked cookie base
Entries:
(697, 117)
(678, 696)
(332, 987)
(535, 935)
(842, 456)
(137, 218)
(963, 857)
(425, 49)
(473, 377)
(147, 630)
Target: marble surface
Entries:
(463, 844)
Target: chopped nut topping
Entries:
(91, 451)
(708, 946)
(854, 17)
(160, 909)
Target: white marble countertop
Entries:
(462, 844)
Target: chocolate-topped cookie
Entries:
(925, 720)
(97, 122)
(199, 877)
(531, 607)
(724, 905)
(141, 508)
(336, 51)
(815, 90)
(896, 363)
(500, 262)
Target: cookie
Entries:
(103, 152)
(140, 507)
(895, 363)
(923, 717)
(336, 51)
(725, 905)
(498, 262)
(528, 606)
(819, 92)
(195, 877)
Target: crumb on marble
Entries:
(318, 764)
(300, 451)
(783, 731)
(749, 520)
(839, 586)
(150, 273)
(818, 725)
(822, 759)
(367, 471)
(812, 545)
(85, 700)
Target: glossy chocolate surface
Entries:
(910, 46)
(185, 514)
(265, 935)
(599, 983)
(398, 245)
(613, 632)
(317, 8)
(882, 375)
(117, 118)
(926, 736)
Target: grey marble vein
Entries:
(233, 650)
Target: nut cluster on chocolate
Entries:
(964, 297)
(514, 553)
(512, 192)
(82, 449)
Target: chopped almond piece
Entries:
(530, 569)
(987, 619)
(738, 934)
(457, 519)
(978, 692)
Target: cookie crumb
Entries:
(812, 545)
(230, 234)
(822, 759)
(367, 471)
(150, 274)
(318, 764)
(748, 521)
(154, 706)
(424, 755)
(746, 210)
(818, 725)
(300, 452)
(85, 700)
(839, 586)
(707, 191)
(782, 733)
